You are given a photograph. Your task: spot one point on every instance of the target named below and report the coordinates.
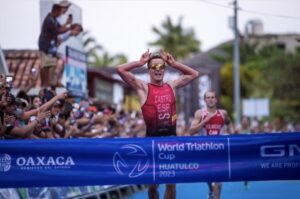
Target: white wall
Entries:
(118, 93)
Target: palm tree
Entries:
(175, 39)
(106, 60)
(97, 56)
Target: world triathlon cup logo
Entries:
(5, 162)
(131, 160)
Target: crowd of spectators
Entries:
(51, 115)
(260, 125)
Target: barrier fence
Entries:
(79, 162)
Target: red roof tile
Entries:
(20, 63)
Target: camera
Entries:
(33, 71)
(9, 81)
(72, 122)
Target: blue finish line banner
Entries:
(36, 163)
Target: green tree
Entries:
(281, 73)
(104, 59)
(265, 71)
(247, 77)
(175, 39)
(97, 56)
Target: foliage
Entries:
(175, 39)
(266, 71)
(246, 77)
(104, 59)
(98, 56)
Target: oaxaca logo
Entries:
(45, 162)
(131, 160)
(5, 162)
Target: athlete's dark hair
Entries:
(154, 55)
(56, 8)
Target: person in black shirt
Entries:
(48, 40)
(51, 29)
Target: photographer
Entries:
(51, 28)
(48, 41)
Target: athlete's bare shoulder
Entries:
(142, 92)
(223, 112)
(171, 85)
(225, 116)
(198, 114)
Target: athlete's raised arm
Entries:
(124, 70)
(188, 73)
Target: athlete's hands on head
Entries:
(145, 57)
(167, 57)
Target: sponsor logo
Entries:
(5, 162)
(281, 150)
(44, 162)
(132, 161)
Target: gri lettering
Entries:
(279, 150)
(294, 148)
(272, 151)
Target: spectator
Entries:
(51, 29)
(48, 41)
(36, 102)
(52, 35)
(8, 118)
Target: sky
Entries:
(123, 26)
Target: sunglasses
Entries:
(157, 66)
